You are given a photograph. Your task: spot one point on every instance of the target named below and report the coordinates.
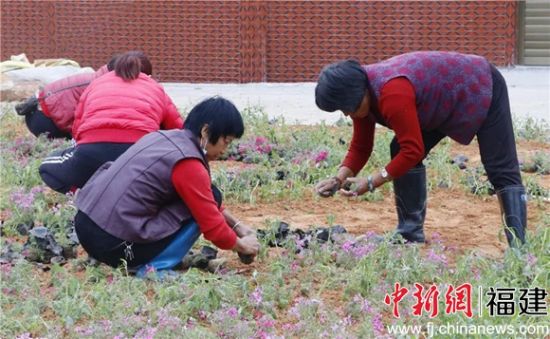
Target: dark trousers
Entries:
(38, 123)
(71, 168)
(497, 145)
(111, 250)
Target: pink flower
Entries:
(321, 156)
(266, 322)
(288, 327)
(202, 315)
(149, 269)
(260, 140)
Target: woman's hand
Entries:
(357, 186)
(243, 230)
(328, 187)
(248, 245)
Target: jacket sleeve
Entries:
(361, 144)
(192, 183)
(171, 117)
(398, 107)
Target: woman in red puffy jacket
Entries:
(51, 110)
(114, 112)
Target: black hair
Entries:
(111, 64)
(221, 116)
(130, 64)
(341, 86)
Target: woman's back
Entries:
(124, 105)
(114, 110)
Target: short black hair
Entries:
(221, 116)
(341, 86)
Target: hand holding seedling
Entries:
(247, 248)
(328, 187)
(354, 186)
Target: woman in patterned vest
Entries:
(424, 97)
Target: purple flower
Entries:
(232, 312)
(438, 259)
(146, 333)
(166, 320)
(301, 243)
(348, 246)
(5, 269)
(84, 331)
(256, 297)
(531, 259)
(21, 199)
(436, 238)
(370, 234)
(361, 251)
(37, 189)
(365, 305)
(377, 324)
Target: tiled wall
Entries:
(242, 41)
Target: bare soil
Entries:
(464, 221)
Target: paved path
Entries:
(529, 90)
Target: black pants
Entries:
(71, 168)
(497, 145)
(38, 123)
(111, 250)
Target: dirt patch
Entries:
(464, 221)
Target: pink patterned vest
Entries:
(453, 90)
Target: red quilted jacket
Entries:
(114, 110)
(58, 99)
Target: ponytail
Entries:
(130, 64)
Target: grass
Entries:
(329, 290)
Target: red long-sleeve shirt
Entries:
(192, 183)
(397, 104)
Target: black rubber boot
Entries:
(27, 106)
(410, 201)
(513, 209)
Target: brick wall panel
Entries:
(232, 41)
